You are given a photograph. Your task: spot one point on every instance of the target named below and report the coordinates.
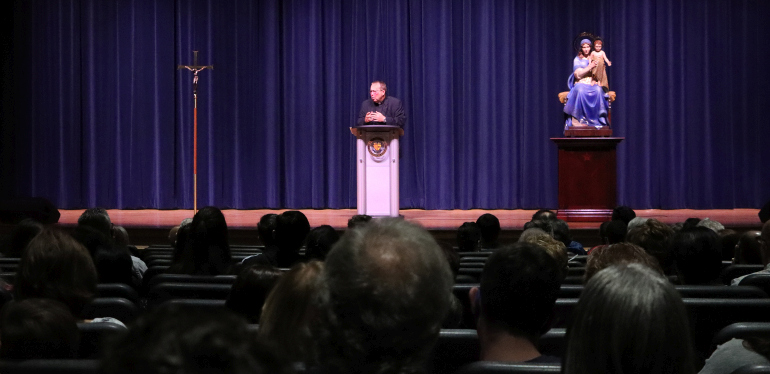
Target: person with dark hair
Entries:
(181, 240)
(22, 233)
(514, 302)
(561, 233)
(748, 249)
(320, 241)
(629, 319)
(544, 215)
(764, 251)
(38, 329)
(611, 232)
(381, 108)
(57, 267)
(654, 236)
(250, 291)
(113, 265)
(208, 248)
(542, 224)
(764, 213)
(617, 254)
(266, 229)
(697, 256)
(174, 339)
(289, 311)
(469, 237)
(623, 213)
(490, 230)
(292, 227)
(358, 220)
(387, 292)
(728, 240)
(690, 223)
(98, 219)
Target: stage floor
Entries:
(431, 219)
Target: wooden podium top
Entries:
(586, 142)
(356, 130)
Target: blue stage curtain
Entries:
(102, 117)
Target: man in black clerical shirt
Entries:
(381, 109)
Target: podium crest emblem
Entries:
(377, 147)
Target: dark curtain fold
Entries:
(100, 116)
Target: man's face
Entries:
(376, 92)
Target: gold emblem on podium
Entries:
(377, 147)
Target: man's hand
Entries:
(375, 117)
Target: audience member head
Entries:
(697, 255)
(629, 319)
(320, 241)
(748, 250)
(38, 329)
(290, 231)
(250, 290)
(561, 231)
(519, 286)
(469, 237)
(623, 213)
(57, 267)
(764, 240)
(764, 213)
(544, 225)
(208, 248)
(553, 247)
(93, 240)
(531, 232)
(120, 236)
(618, 254)
(728, 240)
(711, 224)
(654, 236)
(22, 233)
(387, 291)
(172, 235)
(615, 232)
(490, 230)
(544, 214)
(290, 309)
(358, 220)
(690, 223)
(182, 238)
(113, 265)
(638, 221)
(266, 228)
(98, 219)
(174, 339)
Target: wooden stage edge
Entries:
(151, 226)
(430, 219)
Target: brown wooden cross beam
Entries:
(195, 68)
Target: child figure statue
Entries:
(599, 72)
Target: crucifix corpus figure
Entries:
(195, 68)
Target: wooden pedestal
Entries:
(587, 178)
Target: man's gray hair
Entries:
(388, 288)
(638, 221)
(711, 224)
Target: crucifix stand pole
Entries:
(195, 68)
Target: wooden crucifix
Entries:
(195, 68)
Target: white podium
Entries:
(377, 169)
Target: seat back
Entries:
(163, 292)
(93, 335)
(453, 349)
(761, 280)
(742, 330)
(719, 291)
(734, 271)
(198, 303)
(117, 290)
(116, 307)
(489, 367)
(80, 366)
